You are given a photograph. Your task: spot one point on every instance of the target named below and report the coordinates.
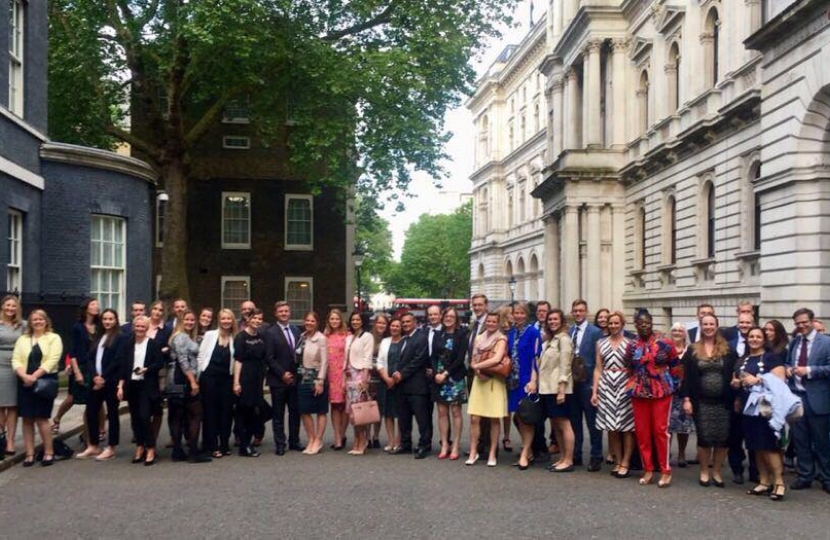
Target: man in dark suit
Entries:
(411, 377)
(736, 456)
(282, 340)
(137, 309)
(808, 371)
(744, 308)
(433, 330)
(585, 336)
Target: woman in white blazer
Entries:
(359, 348)
(216, 384)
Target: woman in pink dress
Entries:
(336, 333)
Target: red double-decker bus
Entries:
(418, 306)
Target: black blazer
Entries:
(453, 360)
(691, 388)
(112, 359)
(413, 363)
(280, 356)
(154, 361)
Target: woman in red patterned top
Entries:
(655, 375)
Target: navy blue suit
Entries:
(582, 392)
(811, 433)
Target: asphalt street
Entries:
(334, 495)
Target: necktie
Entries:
(802, 355)
(289, 337)
(574, 339)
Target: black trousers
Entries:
(95, 400)
(736, 453)
(418, 406)
(185, 414)
(247, 421)
(141, 412)
(282, 397)
(811, 434)
(217, 405)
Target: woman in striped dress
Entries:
(614, 412)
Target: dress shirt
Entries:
(578, 343)
(289, 335)
(811, 337)
(740, 345)
(99, 357)
(139, 358)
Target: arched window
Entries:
(710, 219)
(673, 75)
(641, 222)
(510, 209)
(522, 205)
(642, 98)
(711, 47)
(533, 289)
(756, 209)
(520, 286)
(480, 272)
(670, 230)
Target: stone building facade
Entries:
(688, 155)
(76, 221)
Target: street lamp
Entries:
(512, 285)
(358, 262)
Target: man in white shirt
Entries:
(542, 310)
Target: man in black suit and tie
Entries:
(282, 341)
(433, 329)
(411, 377)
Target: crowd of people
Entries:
(747, 387)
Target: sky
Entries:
(426, 197)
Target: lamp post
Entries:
(512, 285)
(358, 262)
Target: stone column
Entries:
(755, 18)
(570, 254)
(594, 242)
(557, 132)
(620, 108)
(592, 95)
(569, 9)
(671, 78)
(552, 270)
(617, 270)
(572, 120)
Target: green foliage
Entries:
(375, 239)
(434, 261)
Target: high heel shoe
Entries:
(704, 483)
(625, 474)
(472, 460)
(507, 445)
(778, 492)
(665, 481)
(646, 479)
(718, 483)
(765, 490)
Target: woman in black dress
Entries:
(216, 382)
(708, 397)
(380, 330)
(449, 388)
(248, 376)
(758, 435)
(36, 355)
(138, 384)
(104, 366)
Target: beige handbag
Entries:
(365, 413)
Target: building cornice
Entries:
(97, 159)
(572, 36)
(782, 25)
(25, 175)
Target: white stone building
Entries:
(508, 109)
(689, 158)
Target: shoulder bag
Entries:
(502, 369)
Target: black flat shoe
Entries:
(47, 462)
(139, 459)
(718, 483)
(618, 474)
(682, 463)
(507, 445)
(29, 462)
(569, 468)
(149, 462)
(705, 483)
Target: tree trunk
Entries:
(174, 282)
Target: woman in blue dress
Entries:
(524, 343)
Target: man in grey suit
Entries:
(808, 370)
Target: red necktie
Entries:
(802, 355)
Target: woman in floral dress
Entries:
(449, 389)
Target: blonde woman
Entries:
(36, 355)
(216, 383)
(680, 424)
(336, 333)
(12, 327)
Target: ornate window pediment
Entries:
(669, 18)
(640, 49)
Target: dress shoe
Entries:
(29, 462)
(421, 453)
(47, 461)
(280, 451)
(569, 468)
(199, 458)
(718, 483)
(149, 462)
(178, 455)
(403, 450)
(248, 451)
(738, 479)
(826, 487)
(472, 460)
(801, 483)
(595, 465)
(296, 447)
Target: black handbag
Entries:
(530, 410)
(46, 387)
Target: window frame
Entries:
(297, 314)
(17, 52)
(223, 281)
(15, 246)
(305, 197)
(122, 286)
(237, 119)
(236, 245)
(227, 146)
(160, 218)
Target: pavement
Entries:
(334, 495)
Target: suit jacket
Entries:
(588, 349)
(153, 361)
(691, 387)
(280, 356)
(817, 383)
(111, 360)
(413, 363)
(451, 359)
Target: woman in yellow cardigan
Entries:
(36, 354)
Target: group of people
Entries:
(735, 387)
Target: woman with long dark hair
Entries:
(449, 390)
(380, 330)
(249, 355)
(776, 336)
(138, 384)
(205, 322)
(388, 355)
(359, 347)
(104, 366)
(312, 396)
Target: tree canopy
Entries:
(356, 89)
(434, 261)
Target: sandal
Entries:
(665, 481)
(778, 492)
(507, 445)
(647, 479)
(765, 490)
(217, 454)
